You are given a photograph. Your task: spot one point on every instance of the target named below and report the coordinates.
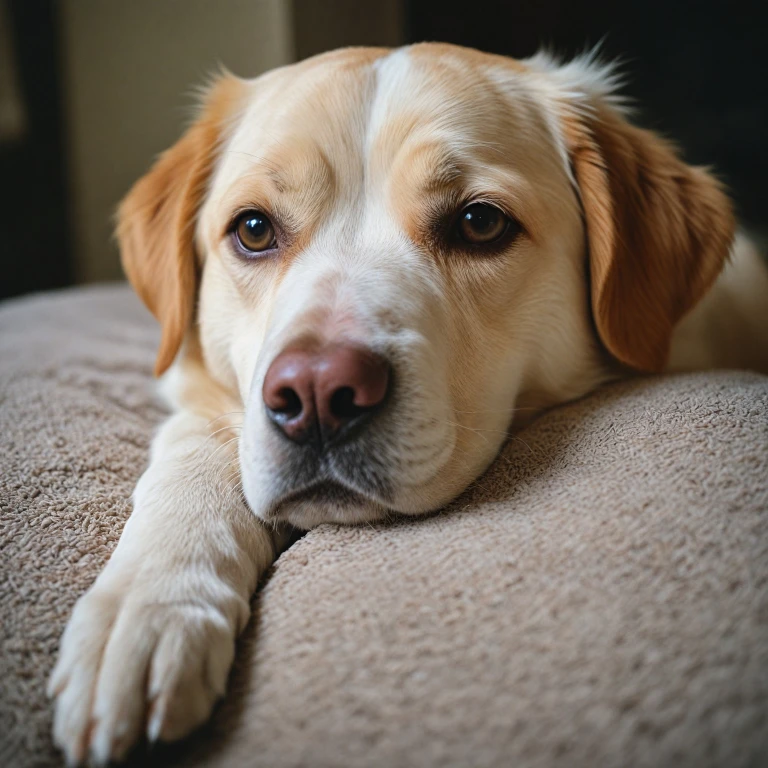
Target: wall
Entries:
(129, 74)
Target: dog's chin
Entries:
(326, 502)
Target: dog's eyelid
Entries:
(285, 231)
(516, 227)
(241, 210)
(495, 201)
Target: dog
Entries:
(368, 267)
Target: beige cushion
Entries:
(600, 598)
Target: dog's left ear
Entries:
(658, 230)
(156, 220)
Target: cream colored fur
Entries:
(352, 150)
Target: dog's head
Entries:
(387, 255)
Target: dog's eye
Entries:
(482, 224)
(254, 232)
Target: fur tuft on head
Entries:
(584, 79)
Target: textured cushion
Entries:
(599, 597)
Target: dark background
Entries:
(696, 71)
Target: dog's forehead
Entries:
(359, 106)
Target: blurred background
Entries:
(92, 90)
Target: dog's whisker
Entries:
(224, 415)
(219, 448)
(520, 440)
(223, 429)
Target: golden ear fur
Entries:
(658, 230)
(157, 220)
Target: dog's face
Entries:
(369, 171)
(388, 255)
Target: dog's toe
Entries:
(132, 663)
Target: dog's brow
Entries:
(436, 167)
(290, 170)
(445, 172)
(302, 174)
(265, 169)
(279, 178)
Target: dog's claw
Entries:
(112, 647)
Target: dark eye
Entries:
(254, 232)
(482, 224)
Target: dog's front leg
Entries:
(150, 645)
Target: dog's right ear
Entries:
(156, 220)
(658, 230)
(659, 233)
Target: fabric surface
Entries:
(599, 597)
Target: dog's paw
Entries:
(136, 660)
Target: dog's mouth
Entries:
(323, 492)
(325, 501)
(341, 482)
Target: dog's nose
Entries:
(319, 396)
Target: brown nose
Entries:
(324, 395)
